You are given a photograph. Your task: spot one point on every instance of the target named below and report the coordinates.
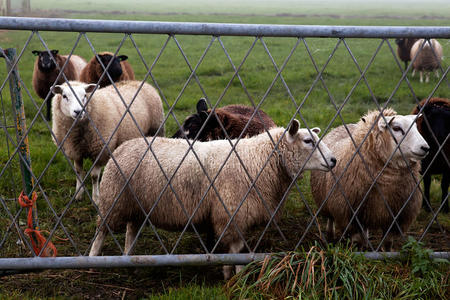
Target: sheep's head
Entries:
(191, 126)
(297, 146)
(46, 63)
(72, 100)
(411, 143)
(115, 69)
(438, 118)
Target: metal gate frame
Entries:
(188, 28)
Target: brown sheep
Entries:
(119, 69)
(296, 152)
(234, 118)
(437, 112)
(45, 73)
(404, 49)
(396, 183)
(428, 58)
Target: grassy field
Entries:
(215, 73)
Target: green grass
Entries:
(338, 273)
(214, 73)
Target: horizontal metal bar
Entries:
(81, 262)
(120, 26)
(125, 261)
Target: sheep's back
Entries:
(146, 109)
(78, 64)
(149, 180)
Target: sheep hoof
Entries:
(79, 196)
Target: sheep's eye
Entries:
(64, 96)
(398, 128)
(308, 141)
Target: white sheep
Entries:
(105, 109)
(190, 183)
(428, 59)
(396, 183)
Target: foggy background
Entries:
(380, 8)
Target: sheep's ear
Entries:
(293, 129)
(363, 119)
(316, 130)
(36, 52)
(97, 57)
(54, 52)
(122, 57)
(382, 125)
(201, 105)
(57, 89)
(90, 88)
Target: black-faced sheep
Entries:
(437, 114)
(396, 184)
(234, 118)
(105, 109)
(190, 183)
(119, 69)
(428, 58)
(45, 73)
(404, 49)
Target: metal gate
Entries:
(71, 223)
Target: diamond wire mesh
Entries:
(319, 77)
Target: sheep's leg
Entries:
(444, 187)
(436, 73)
(413, 72)
(421, 76)
(427, 77)
(426, 198)
(95, 176)
(388, 242)
(235, 247)
(98, 242)
(331, 230)
(130, 236)
(80, 175)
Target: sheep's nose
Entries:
(77, 112)
(425, 148)
(333, 162)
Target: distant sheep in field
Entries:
(45, 73)
(234, 118)
(190, 183)
(404, 46)
(437, 113)
(105, 109)
(396, 183)
(428, 59)
(119, 70)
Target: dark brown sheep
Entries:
(45, 73)
(437, 113)
(119, 69)
(234, 118)
(404, 49)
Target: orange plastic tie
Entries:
(37, 240)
